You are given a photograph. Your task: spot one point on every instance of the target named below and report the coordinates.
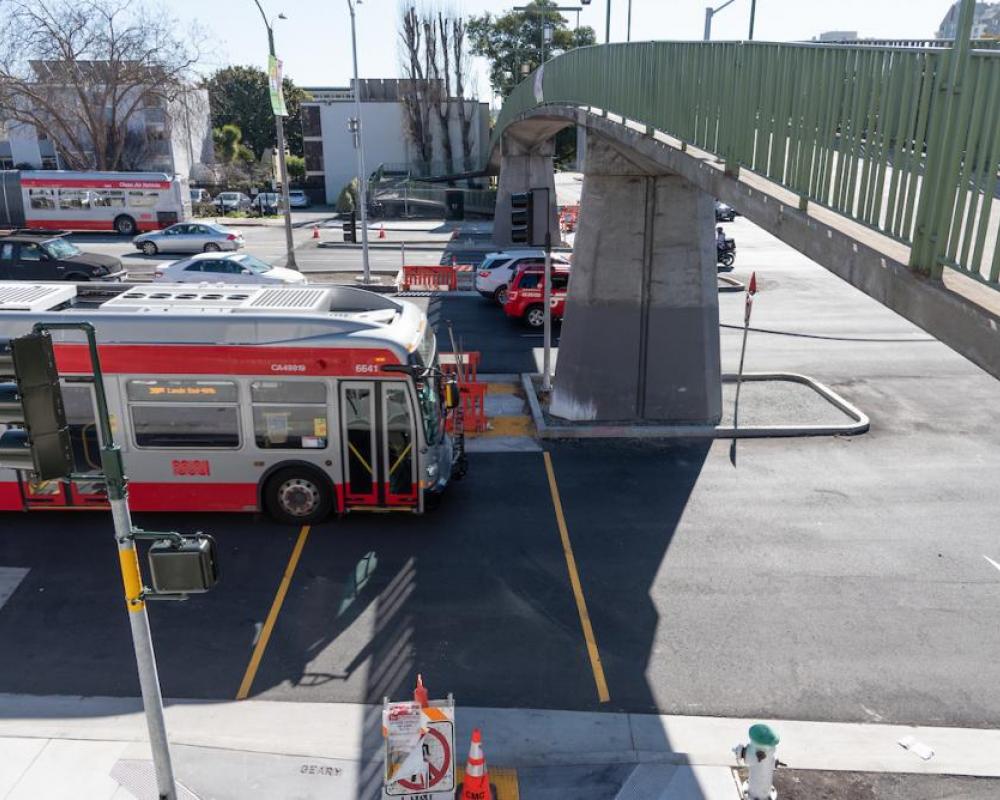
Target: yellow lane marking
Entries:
(574, 579)
(503, 779)
(272, 616)
(510, 426)
(503, 388)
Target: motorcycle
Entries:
(726, 253)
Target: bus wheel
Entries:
(298, 496)
(125, 225)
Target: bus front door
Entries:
(379, 439)
(78, 399)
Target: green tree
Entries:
(296, 168)
(513, 39)
(239, 96)
(227, 143)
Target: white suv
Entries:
(494, 273)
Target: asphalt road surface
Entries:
(850, 579)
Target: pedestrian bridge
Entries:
(878, 162)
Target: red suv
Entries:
(525, 299)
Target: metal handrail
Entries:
(901, 139)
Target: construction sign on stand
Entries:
(419, 750)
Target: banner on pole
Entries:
(274, 83)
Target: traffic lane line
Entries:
(574, 578)
(991, 561)
(272, 616)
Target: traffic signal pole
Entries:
(142, 640)
(547, 299)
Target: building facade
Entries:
(985, 23)
(172, 136)
(328, 145)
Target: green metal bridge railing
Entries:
(903, 139)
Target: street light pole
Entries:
(628, 27)
(753, 14)
(282, 166)
(607, 24)
(711, 12)
(359, 146)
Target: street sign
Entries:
(419, 750)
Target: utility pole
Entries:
(753, 15)
(607, 23)
(280, 130)
(359, 147)
(711, 12)
(628, 27)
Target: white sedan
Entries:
(225, 268)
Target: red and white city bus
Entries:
(126, 202)
(244, 398)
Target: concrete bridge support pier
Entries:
(523, 167)
(640, 340)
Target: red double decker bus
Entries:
(126, 202)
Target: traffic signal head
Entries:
(521, 217)
(32, 417)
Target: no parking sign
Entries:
(419, 750)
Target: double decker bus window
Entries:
(289, 415)
(176, 426)
(43, 199)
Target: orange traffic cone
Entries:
(476, 784)
(315, 231)
(381, 231)
(420, 693)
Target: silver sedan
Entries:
(189, 237)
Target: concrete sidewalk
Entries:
(92, 747)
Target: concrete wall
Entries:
(640, 339)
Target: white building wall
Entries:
(386, 141)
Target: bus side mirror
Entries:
(451, 395)
(185, 566)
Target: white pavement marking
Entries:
(994, 563)
(10, 577)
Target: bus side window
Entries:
(289, 415)
(184, 413)
(42, 199)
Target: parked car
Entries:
(189, 237)
(526, 298)
(26, 256)
(230, 202)
(297, 198)
(200, 196)
(266, 203)
(225, 268)
(495, 272)
(723, 212)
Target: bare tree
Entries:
(415, 99)
(461, 65)
(88, 73)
